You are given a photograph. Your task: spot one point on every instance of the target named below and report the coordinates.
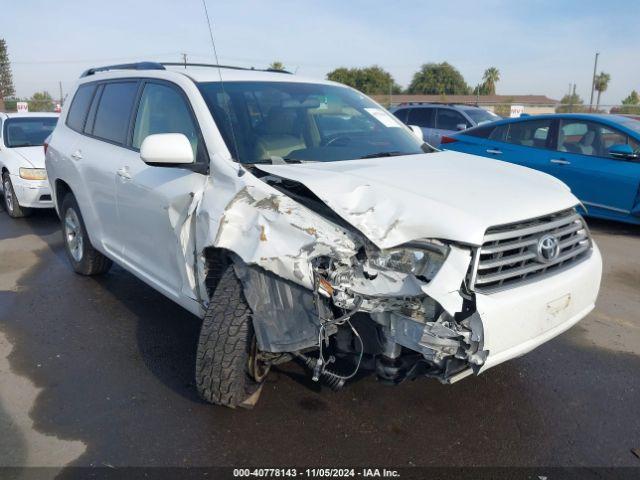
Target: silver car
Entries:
(438, 119)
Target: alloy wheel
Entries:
(73, 234)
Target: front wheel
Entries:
(11, 203)
(228, 371)
(84, 259)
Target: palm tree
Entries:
(601, 83)
(491, 77)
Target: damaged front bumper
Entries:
(446, 330)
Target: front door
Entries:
(606, 185)
(153, 201)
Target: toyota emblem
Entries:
(548, 248)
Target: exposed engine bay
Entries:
(369, 310)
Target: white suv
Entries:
(300, 220)
(24, 180)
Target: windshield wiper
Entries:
(386, 154)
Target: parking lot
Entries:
(99, 371)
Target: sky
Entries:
(540, 47)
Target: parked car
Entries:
(300, 220)
(24, 183)
(597, 156)
(438, 119)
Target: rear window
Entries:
(114, 111)
(28, 132)
(481, 116)
(80, 106)
(481, 132)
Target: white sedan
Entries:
(24, 178)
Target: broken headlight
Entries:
(420, 259)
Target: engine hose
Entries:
(332, 379)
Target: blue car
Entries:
(597, 156)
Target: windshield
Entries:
(276, 121)
(28, 132)
(481, 116)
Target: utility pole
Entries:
(61, 97)
(390, 90)
(184, 59)
(571, 98)
(593, 80)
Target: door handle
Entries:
(494, 151)
(77, 155)
(124, 173)
(560, 161)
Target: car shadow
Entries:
(612, 227)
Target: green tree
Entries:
(41, 102)
(277, 65)
(6, 78)
(438, 79)
(490, 78)
(571, 103)
(631, 104)
(369, 80)
(601, 84)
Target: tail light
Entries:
(446, 139)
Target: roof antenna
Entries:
(224, 94)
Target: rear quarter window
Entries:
(80, 106)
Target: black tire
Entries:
(225, 345)
(84, 259)
(11, 204)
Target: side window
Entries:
(499, 134)
(609, 137)
(80, 106)
(163, 110)
(450, 119)
(422, 117)
(114, 111)
(533, 133)
(402, 114)
(588, 138)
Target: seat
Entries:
(586, 143)
(280, 137)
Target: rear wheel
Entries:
(84, 259)
(11, 203)
(228, 369)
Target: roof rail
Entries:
(215, 65)
(124, 66)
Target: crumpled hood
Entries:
(445, 195)
(33, 155)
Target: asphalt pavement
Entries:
(99, 371)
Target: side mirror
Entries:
(417, 131)
(170, 148)
(461, 126)
(623, 151)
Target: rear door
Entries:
(423, 117)
(607, 186)
(528, 143)
(154, 201)
(99, 152)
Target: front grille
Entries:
(510, 255)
